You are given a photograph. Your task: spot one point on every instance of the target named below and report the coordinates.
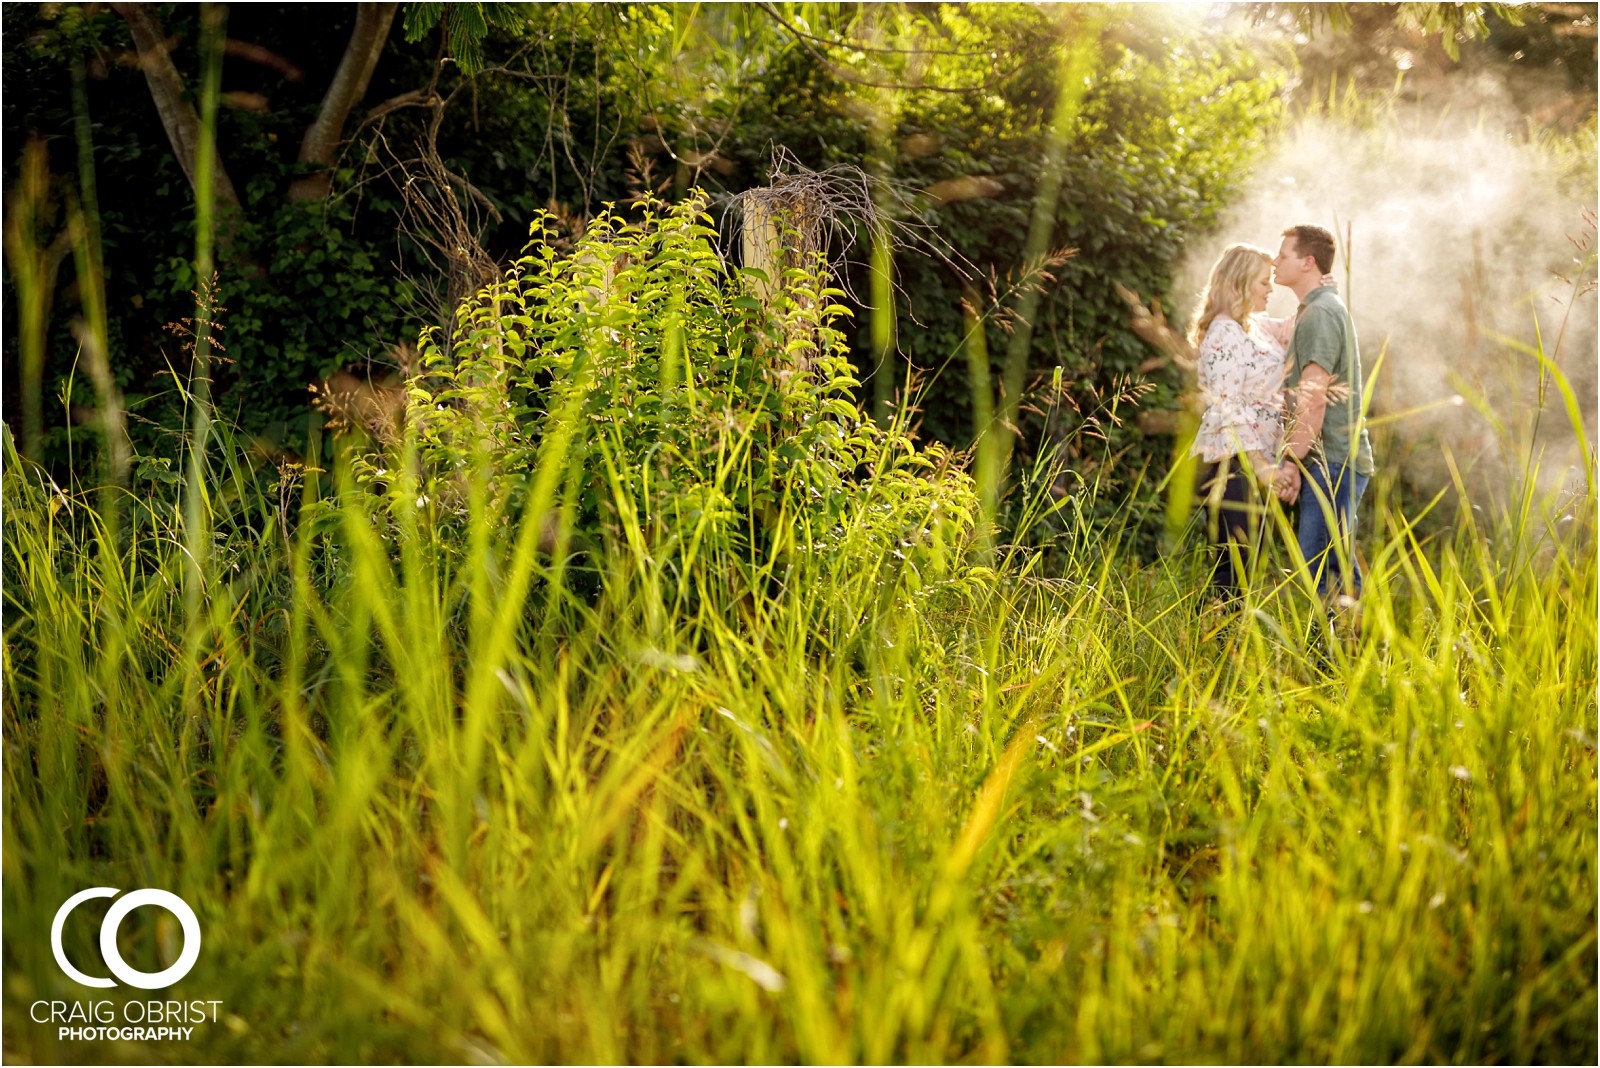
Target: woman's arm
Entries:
(1263, 466)
(1278, 328)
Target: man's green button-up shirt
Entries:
(1325, 335)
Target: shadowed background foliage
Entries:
(476, 116)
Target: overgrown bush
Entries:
(637, 401)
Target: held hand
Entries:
(1286, 484)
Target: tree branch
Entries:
(349, 86)
(178, 116)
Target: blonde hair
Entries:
(1228, 291)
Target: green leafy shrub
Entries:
(647, 405)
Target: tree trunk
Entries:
(349, 86)
(178, 116)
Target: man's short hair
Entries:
(1315, 242)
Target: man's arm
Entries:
(1319, 349)
(1311, 403)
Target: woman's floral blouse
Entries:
(1241, 379)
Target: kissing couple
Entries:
(1283, 413)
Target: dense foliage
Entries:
(309, 286)
(1163, 136)
(696, 421)
(579, 106)
(568, 107)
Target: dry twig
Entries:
(827, 213)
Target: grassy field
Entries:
(441, 807)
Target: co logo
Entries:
(108, 938)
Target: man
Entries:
(1326, 435)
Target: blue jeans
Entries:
(1328, 501)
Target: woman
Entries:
(1241, 363)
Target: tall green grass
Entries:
(436, 807)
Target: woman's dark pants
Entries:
(1234, 517)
